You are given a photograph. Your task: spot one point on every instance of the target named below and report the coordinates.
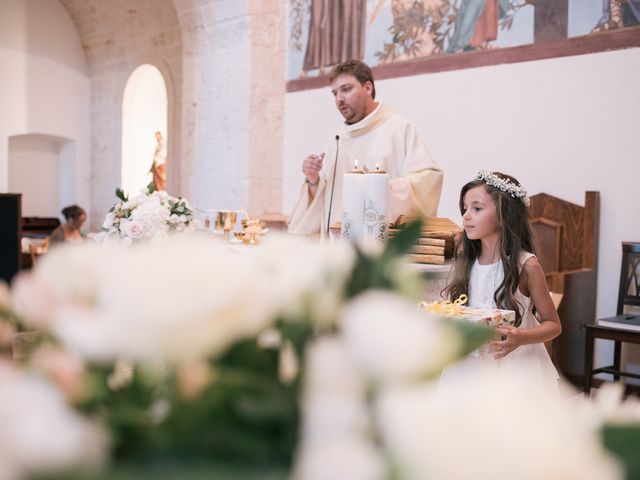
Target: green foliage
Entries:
(472, 335)
(624, 442)
(121, 195)
(298, 333)
(245, 414)
(170, 470)
(375, 271)
(124, 411)
(151, 187)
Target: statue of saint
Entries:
(159, 166)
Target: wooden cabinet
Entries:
(10, 234)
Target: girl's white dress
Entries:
(530, 360)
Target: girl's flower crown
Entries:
(516, 191)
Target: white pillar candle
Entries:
(352, 204)
(376, 209)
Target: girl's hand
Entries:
(510, 339)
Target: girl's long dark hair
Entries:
(515, 237)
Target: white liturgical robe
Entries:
(382, 138)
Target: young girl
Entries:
(496, 268)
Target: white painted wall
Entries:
(40, 169)
(561, 126)
(44, 87)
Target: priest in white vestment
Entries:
(373, 135)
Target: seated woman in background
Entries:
(69, 232)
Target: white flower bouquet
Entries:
(146, 216)
(310, 358)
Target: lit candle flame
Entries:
(355, 164)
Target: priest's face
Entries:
(354, 100)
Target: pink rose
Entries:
(134, 230)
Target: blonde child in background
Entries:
(496, 268)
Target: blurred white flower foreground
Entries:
(39, 432)
(371, 409)
(482, 427)
(178, 299)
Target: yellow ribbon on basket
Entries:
(445, 307)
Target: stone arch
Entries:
(144, 112)
(117, 36)
(224, 67)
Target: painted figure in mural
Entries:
(69, 232)
(336, 33)
(374, 135)
(613, 17)
(159, 166)
(477, 24)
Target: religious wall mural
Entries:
(387, 32)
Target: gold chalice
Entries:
(252, 230)
(225, 221)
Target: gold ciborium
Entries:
(252, 230)
(225, 221)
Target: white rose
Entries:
(351, 457)
(608, 405)
(181, 298)
(335, 440)
(108, 221)
(317, 289)
(31, 409)
(163, 195)
(390, 339)
(490, 426)
(134, 230)
(122, 227)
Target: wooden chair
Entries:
(566, 243)
(36, 232)
(628, 294)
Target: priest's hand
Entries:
(311, 168)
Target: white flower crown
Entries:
(516, 191)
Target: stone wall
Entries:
(223, 61)
(266, 119)
(118, 36)
(233, 97)
(215, 96)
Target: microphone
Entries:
(333, 182)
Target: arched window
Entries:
(144, 112)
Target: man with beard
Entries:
(373, 135)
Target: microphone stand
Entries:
(333, 182)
